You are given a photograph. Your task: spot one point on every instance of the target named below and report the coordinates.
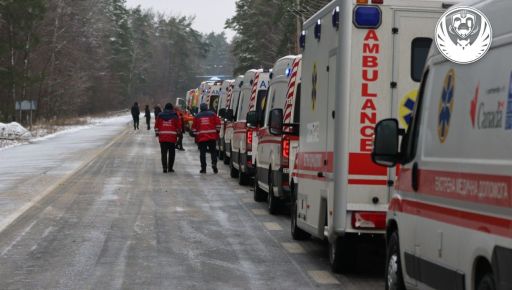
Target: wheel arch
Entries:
(481, 267)
(391, 227)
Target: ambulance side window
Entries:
(261, 105)
(419, 52)
(296, 113)
(410, 140)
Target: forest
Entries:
(76, 58)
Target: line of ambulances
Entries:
(320, 132)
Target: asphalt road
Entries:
(120, 223)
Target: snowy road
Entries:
(28, 171)
(118, 222)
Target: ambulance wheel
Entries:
(243, 179)
(259, 194)
(273, 202)
(297, 233)
(341, 254)
(486, 283)
(232, 170)
(394, 279)
(226, 159)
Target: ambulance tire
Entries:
(226, 159)
(487, 282)
(259, 194)
(342, 254)
(243, 179)
(298, 234)
(232, 170)
(394, 278)
(273, 202)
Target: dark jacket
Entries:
(135, 111)
(147, 113)
(158, 110)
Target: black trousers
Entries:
(208, 146)
(135, 122)
(148, 122)
(179, 145)
(168, 154)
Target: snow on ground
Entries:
(14, 134)
(27, 171)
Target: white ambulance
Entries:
(204, 90)
(361, 58)
(225, 91)
(272, 164)
(449, 224)
(213, 95)
(230, 118)
(253, 97)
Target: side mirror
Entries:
(222, 113)
(229, 115)
(252, 119)
(276, 122)
(385, 149)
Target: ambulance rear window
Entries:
(296, 112)
(419, 53)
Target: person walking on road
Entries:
(147, 114)
(206, 128)
(135, 115)
(179, 145)
(167, 128)
(158, 110)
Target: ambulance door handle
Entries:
(415, 176)
(320, 174)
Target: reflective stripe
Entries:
(168, 132)
(208, 132)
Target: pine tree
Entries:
(19, 18)
(121, 44)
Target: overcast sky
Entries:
(210, 14)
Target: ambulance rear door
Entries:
(412, 36)
(413, 33)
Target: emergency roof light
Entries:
(336, 17)
(318, 29)
(367, 16)
(288, 71)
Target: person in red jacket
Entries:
(206, 128)
(167, 128)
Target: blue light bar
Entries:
(367, 16)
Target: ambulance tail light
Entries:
(249, 139)
(285, 152)
(377, 1)
(367, 16)
(368, 220)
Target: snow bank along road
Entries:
(114, 221)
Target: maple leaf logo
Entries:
(474, 104)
